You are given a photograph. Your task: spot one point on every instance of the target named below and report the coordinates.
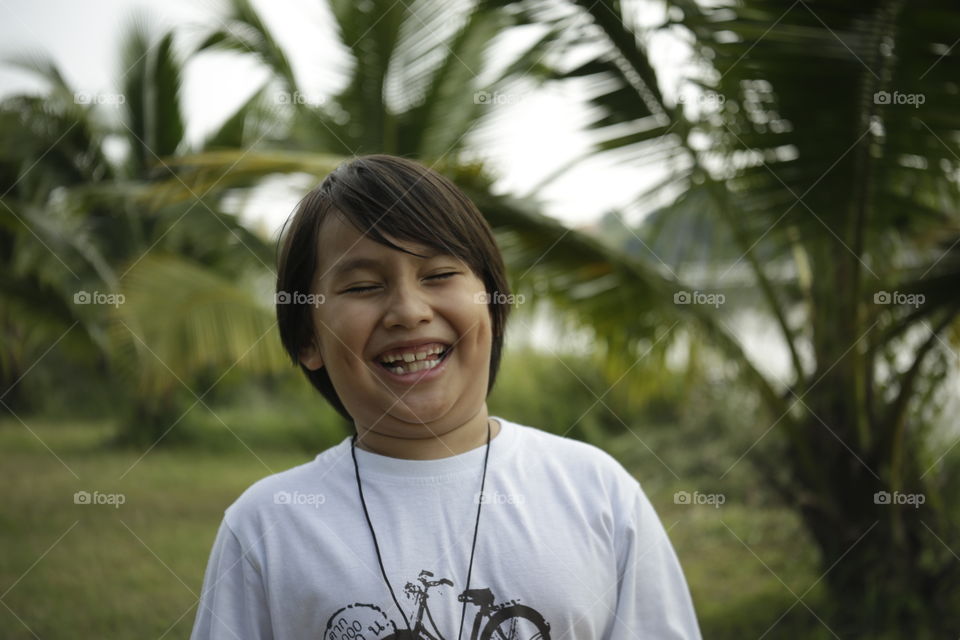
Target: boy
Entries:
(433, 518)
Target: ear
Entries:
(310, 356)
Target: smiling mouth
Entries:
(402, 366)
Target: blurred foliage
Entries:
(797, 183)
(792, 182)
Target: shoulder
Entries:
(579, 463)
(309, 482)
(583, 482)
(575, 455)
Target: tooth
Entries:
(405, 366)
(422, 355)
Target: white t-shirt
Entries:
(569, 547)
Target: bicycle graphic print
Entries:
(505, 621)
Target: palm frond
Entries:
(201, 173)
(151, 88)
(249, 122)
(178, 318)
(243, 30)
(43, 67)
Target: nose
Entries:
(407, 306)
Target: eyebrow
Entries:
(354, 264)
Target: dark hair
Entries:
(383, 196)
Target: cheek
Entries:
(474, 324)
(341, 329)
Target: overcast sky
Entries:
(539, 133)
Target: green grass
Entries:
(127, 572)
(135, 571)
(741, 563)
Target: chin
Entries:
(419, 413)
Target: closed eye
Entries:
(359, 289)
(439, 276)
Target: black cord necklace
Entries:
(373, 534)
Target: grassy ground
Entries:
(127, 572)
(134, 571)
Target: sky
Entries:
(539, 131)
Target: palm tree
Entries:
(825, 149)
(195, 282)
(827, 194)
(80, 221)
(49, 251)
(415, 88)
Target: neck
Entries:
(427, 445)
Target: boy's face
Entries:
(381, 305)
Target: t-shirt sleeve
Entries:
(233, 603)
(653, 600)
